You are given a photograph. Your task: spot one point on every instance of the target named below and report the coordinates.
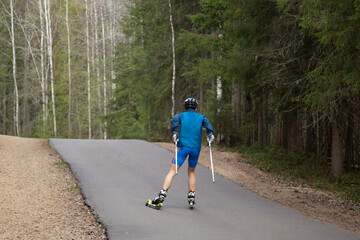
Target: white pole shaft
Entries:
(212, 165)
(176, 158)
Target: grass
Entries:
(62, 164)
(303, 168)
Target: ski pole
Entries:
(176, 157)
(212, 165)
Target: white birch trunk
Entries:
(69, 67)
(104, 67)
(16, 91)
(88, 66)
(46, 83)
(42, 59)
(218, 88)
(50, 54)
(91, 17)
(98, 81)
(4, 107)
(173, 58)
(112, 42)
(112, 45)
(219, 97)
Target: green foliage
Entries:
(302, 168)
(126, 126)
(42, 130)
(335, 78)
(211, 15)
(141, 108)
(332, 22)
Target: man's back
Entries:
(191, 129)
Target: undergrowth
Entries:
(303, 168)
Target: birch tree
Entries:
(112, 44)
(47, 14)
(97, 62)
(88, 66)
(104, 66)
(173, 61)
(69, 65)
(16, 91)
(42, 63)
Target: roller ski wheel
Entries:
(191, 205)
(152, 205)
(191, 199)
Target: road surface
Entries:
(118, 176)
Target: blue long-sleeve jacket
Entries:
(190, 123)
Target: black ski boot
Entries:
(160, 198)
(157, 202)
(191, 199)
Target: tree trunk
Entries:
(173, 61)
(235, 106)
(88, 69)
(69, 67)
(281, 130)
(243, 113)
(219, 98)
(78, 115)
(337, 163)
(317, 134)
(42, 60)
(260, 113)
(112, 46)
(104, 66)
(218, 88)
(235, 102)
(50, 53)
(357, 141)
(16, 91)
(4, 104)
(92, 36)
(349, 149)
(46, 86)
(25, 129)
(97, 64)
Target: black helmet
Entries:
(190, 103)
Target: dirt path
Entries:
(39, 196)
(317, 204)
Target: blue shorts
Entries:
(183, 152)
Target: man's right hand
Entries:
(175, 137)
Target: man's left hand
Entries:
(210, 138)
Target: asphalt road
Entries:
(118, 176)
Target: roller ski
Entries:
(157, 203)
(150, 204)
(191, 199)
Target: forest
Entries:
(281, 73)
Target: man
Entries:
(189, 144)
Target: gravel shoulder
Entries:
(39, 195)
(320, 205)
